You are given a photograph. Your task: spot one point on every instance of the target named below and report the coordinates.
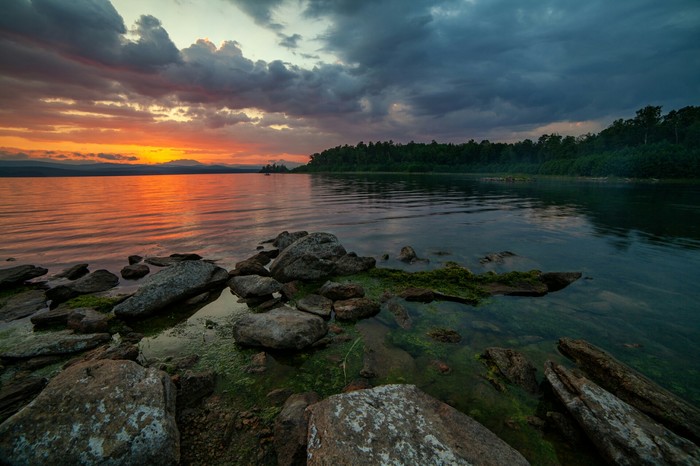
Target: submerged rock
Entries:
(556, 281)
(513, 366)
(96, 413)
(14, 276)
(99, 280)
(444, 335)
(634, 388)
(622, 434)
(171, 285)
(400, 424)
(407, 254)
(400, 314)
(280, 328)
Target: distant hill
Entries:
(34, 168)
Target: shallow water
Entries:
(638, 246)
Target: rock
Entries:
(485, 326)
(497, 257)
(51, 343)
(316, 304)
(339, 291)
(135, 271)
(524, 288)
(251, 266)
(250, 286)
(444, 335)
(369, 363)
(258, 363)
(513, 366)
(278, 396)
(407, 254)
(22, 305)
(16, 394)
(280, 328)
(95, 413)
(356, 308)
(285, 239)
(622, 434)
(193, 387)
(420, 295)
(400, 314)
(441, 367)
(634, 388)
(170, 285)
(52, 318)
(172, 259)
(14, 276)
(290, 429)
(124, 350)
(399, 424)
(134, 259)
(75, 272)
(86, 320)
(311, 257)
(268, 305)
(556, 281)
(99, 280)
(351, 264)
(290, 289)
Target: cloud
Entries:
(261, 11)
(115, 157)
(290, 42)
(448, 70)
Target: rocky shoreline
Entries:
(74, 380)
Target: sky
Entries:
(262, 81)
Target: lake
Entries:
(637, 245)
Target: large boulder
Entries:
(633, 388)
(622, 434)
(280, 328)
(310, 257)
(285, 239)
(351, 264)
(400, 424)
(171, 285)
(14, 276)
(96, 413)
(74, 272)
(99, 280)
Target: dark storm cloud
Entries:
(87, 30)
(446, 70)
(530, 62)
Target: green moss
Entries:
(99, 303)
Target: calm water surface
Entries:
(638, 245)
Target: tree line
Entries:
(650, 145)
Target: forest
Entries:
(650, 145)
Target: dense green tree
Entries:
(649, 145)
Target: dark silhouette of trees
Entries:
(648, 145)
